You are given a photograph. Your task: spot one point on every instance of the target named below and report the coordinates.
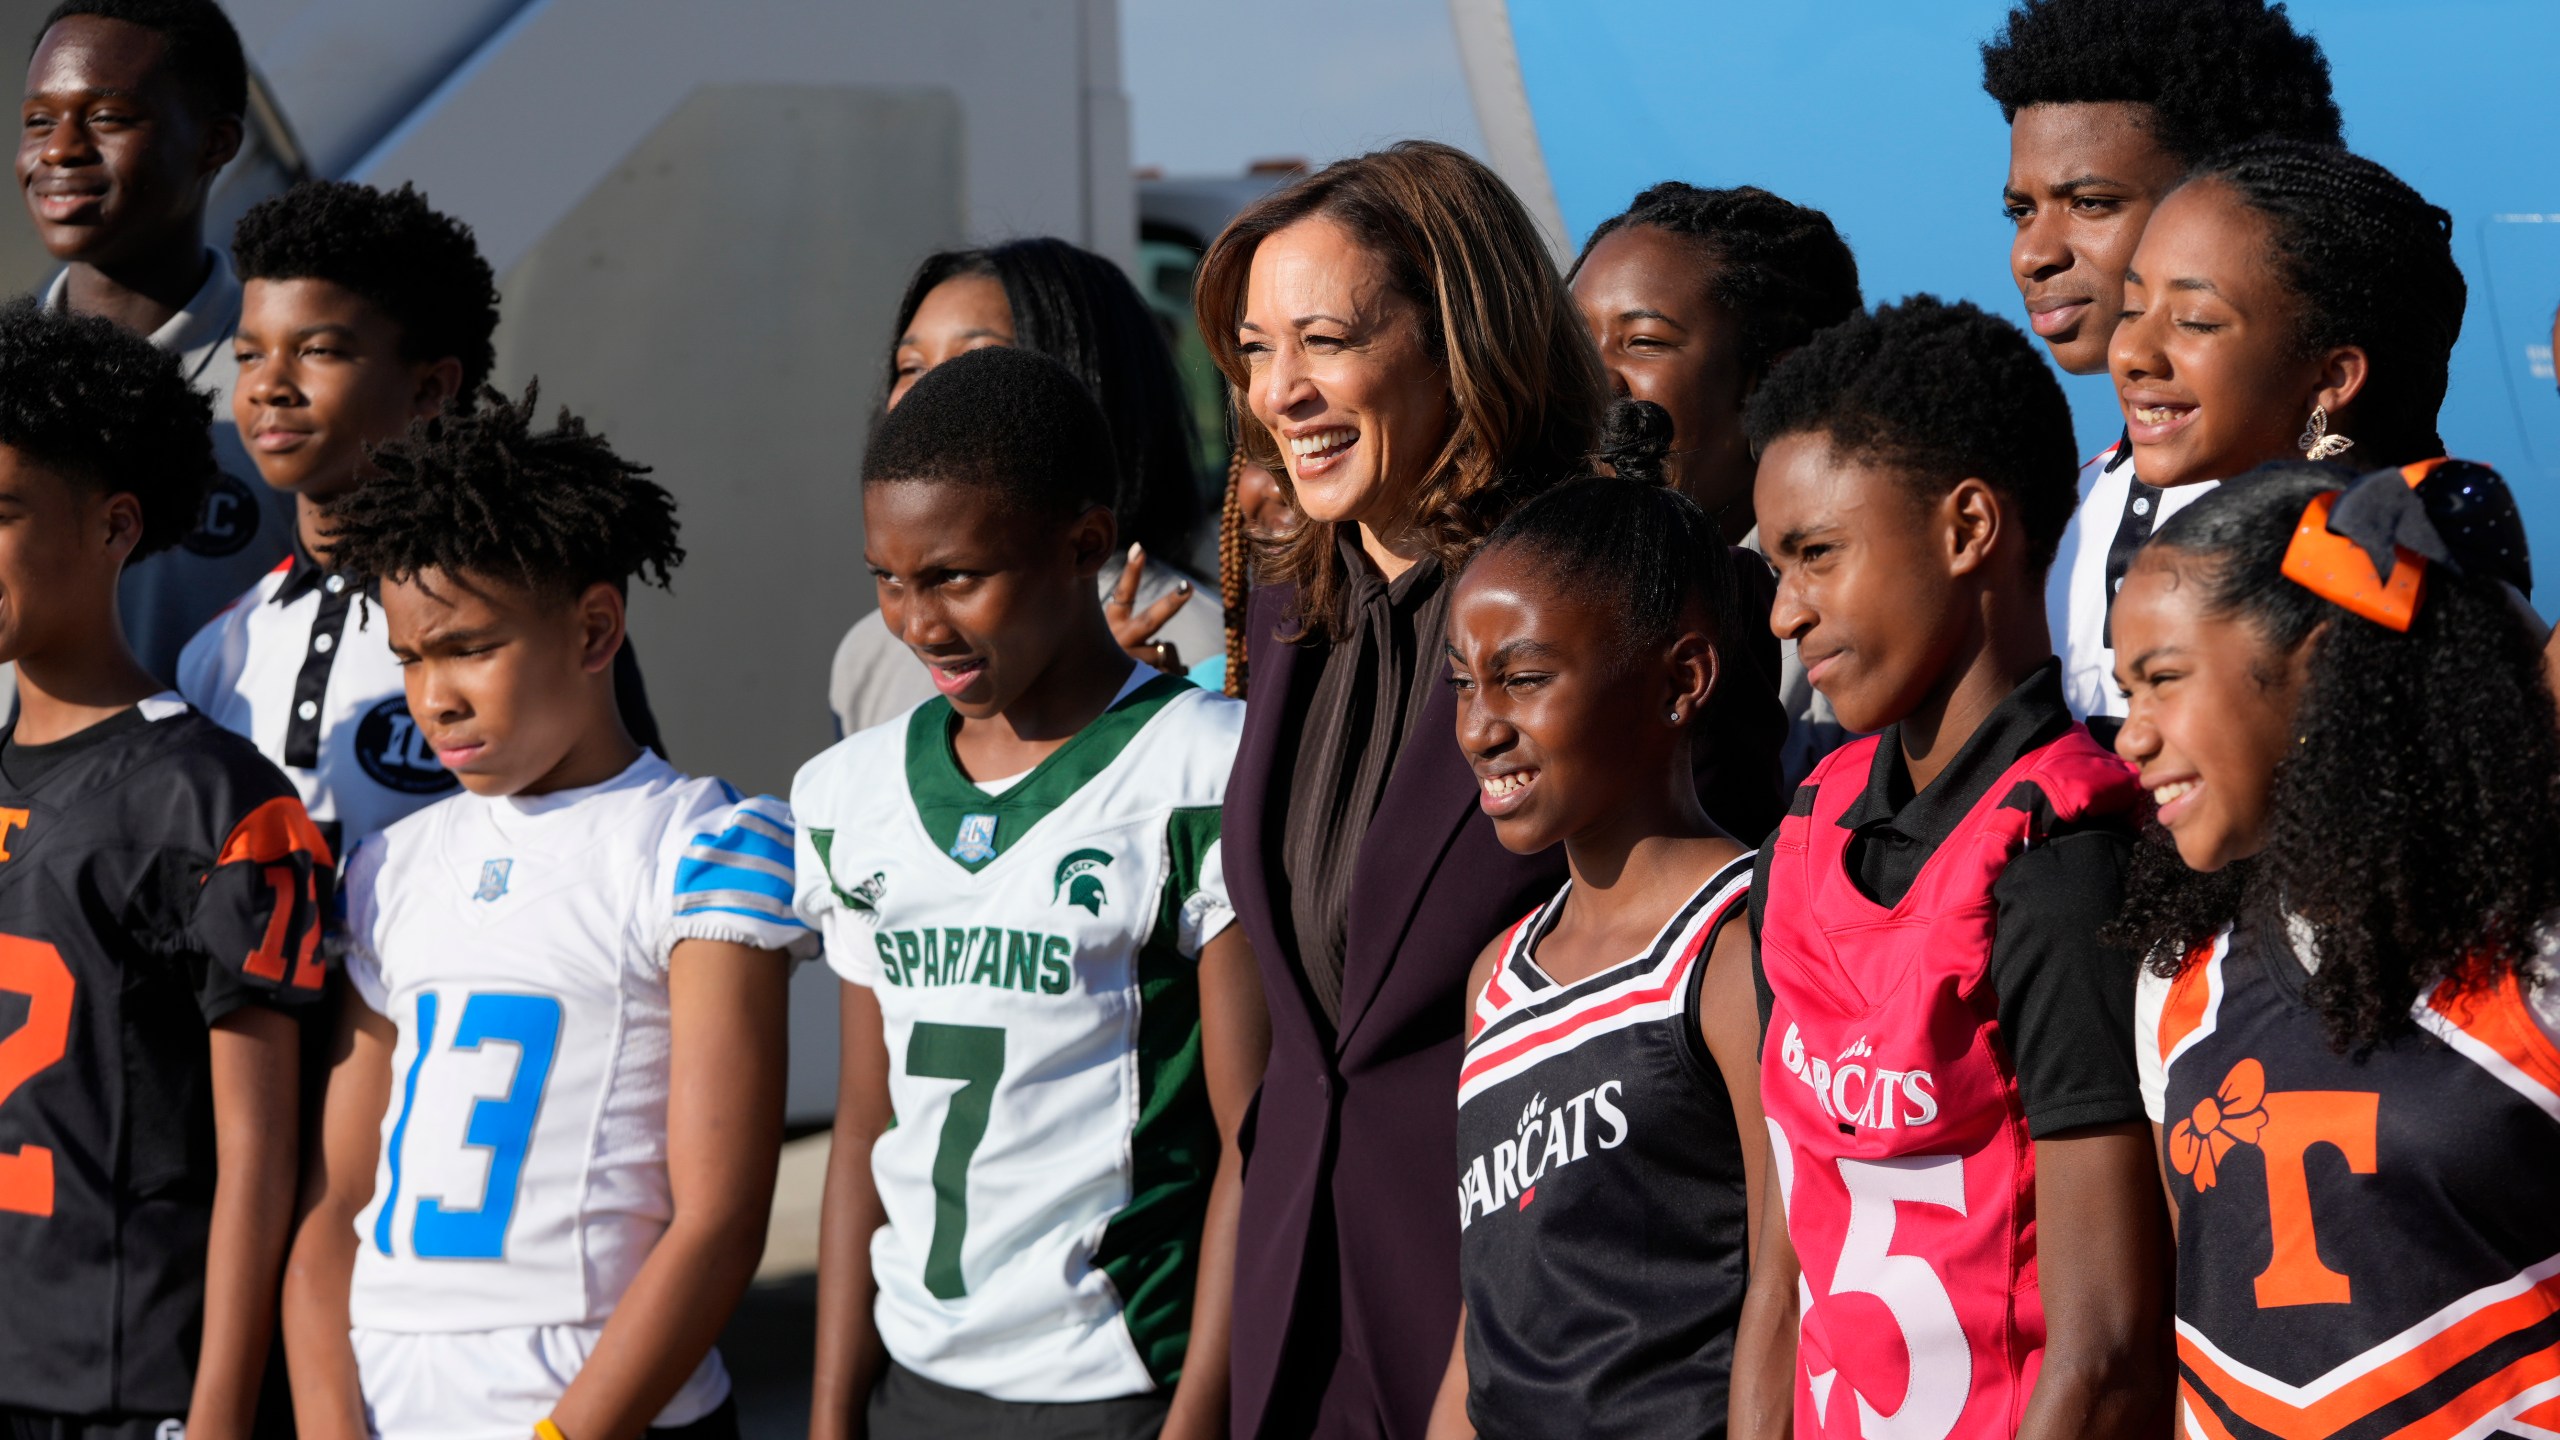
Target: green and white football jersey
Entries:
(1035, 956)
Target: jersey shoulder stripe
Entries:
(1651, 987)
(2490, 1026)
(743, 868)
(1497, 994)
(2194, 1004)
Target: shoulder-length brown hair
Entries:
(1525, 385)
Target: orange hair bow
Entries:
(2353, 547)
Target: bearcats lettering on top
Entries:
(1600, 1189)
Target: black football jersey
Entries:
(1600, 1191)
(2368, 1244)
(156, 874)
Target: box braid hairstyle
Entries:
(481, 492)
(1938, 391)
(198, 45)
(2416, 824)
(420, 268)
(109, 412)
(2370, 264)
(1235, 572)
(1780, 267)
(2214, 72)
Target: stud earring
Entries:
(2316, 441)
(1674, 716)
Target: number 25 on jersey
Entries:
(1924, 1315)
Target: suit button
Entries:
(1324, 1085)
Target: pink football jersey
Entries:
(1901, 1150)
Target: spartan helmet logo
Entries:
(1079, 881)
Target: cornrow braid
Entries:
(2371, 263)
(479, 491)
(1234, 554)
(1641, 549)
(1780, 267)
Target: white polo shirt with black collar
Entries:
(304, 670)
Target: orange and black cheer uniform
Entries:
(2367, 1246)
(155, 876)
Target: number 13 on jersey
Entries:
(446, 1226)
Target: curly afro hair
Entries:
(1938, 391)
(103, 408)
(2415, 826)
(2214, 72)
(1780, 267)
(480, 492)
(417, 266)
(1011, 421)
(2372, 264)
(202, 49)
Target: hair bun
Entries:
(1634, 437)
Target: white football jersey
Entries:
(1035, 956)
(302, 667)
(521, 947)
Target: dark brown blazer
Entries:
(1350, 1224)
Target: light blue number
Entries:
(426, 1032)
(502, 1125)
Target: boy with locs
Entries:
(555, 1094)
(1956, 1123)
(2109, 103)
(132, 107)
(160, 899)
(1022, 881)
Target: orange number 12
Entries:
(35, 970)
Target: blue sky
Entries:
(1214, 84)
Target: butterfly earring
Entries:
(2316, 441)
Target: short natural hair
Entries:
(103, 408)
(419, 267)
(2213, 72)
(1080, 310)
(479, 491)
(200, 47)
(1779, 267)
(1940, 392)
(1009, 421)
(1525, 385)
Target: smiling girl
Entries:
(1609, 1131)
(2288, 298)
(2347, 1031)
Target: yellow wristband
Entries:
(543, 1429)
